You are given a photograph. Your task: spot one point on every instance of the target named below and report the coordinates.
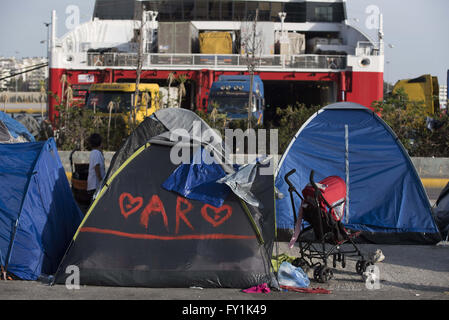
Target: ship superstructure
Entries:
(304, 51)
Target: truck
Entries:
(422, 89)
(122, 94)
(230, 95)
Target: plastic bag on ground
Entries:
(289, 275)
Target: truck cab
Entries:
(230, 95)
(123, 94)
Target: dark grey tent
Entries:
(441, 212)
(142, 231)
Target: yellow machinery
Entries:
(422, 89)
(215, 43)
(123, 95)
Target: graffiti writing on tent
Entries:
(130, 205)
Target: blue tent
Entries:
(385, 196)
(13, 131)
(38, 215)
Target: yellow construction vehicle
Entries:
(422, 89)
(118, 98)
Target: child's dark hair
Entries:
(95, 140)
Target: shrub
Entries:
(288, 121)
(74, 125)
(422, 135)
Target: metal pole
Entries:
(251, 69)
(139, 67)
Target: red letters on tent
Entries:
(180, 213)
(154, 206)
(130, 205)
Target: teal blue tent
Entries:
(38, 214)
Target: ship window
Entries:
(323, 14)
(152, 5)
(201, 10)
(121, 9)
(421, 79)
(188, 10)
(276, 7)
(240, 10)
(296, 12)
(164, 11)
(319, 12)
(264, 11)
(365, 62)
(215, 10)
(251, 10)
(177, 11)
(226, 10)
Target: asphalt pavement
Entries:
(407, 273)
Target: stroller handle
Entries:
(312, 182)
(290, 184)
(315, 187)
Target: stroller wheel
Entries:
(316, 273)
(323, 274)
(300, 262)
(361, 266)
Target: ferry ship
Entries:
(308, 52)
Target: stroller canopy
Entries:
(385, 196)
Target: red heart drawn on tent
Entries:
(220, 215)
(129, 204)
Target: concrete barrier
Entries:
(434, 172)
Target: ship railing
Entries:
(305, 61)
(367, 48)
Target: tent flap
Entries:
(198, 181)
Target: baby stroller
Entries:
(322, 207)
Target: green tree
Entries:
(74, 125)
(288, 121)
(409, 120)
